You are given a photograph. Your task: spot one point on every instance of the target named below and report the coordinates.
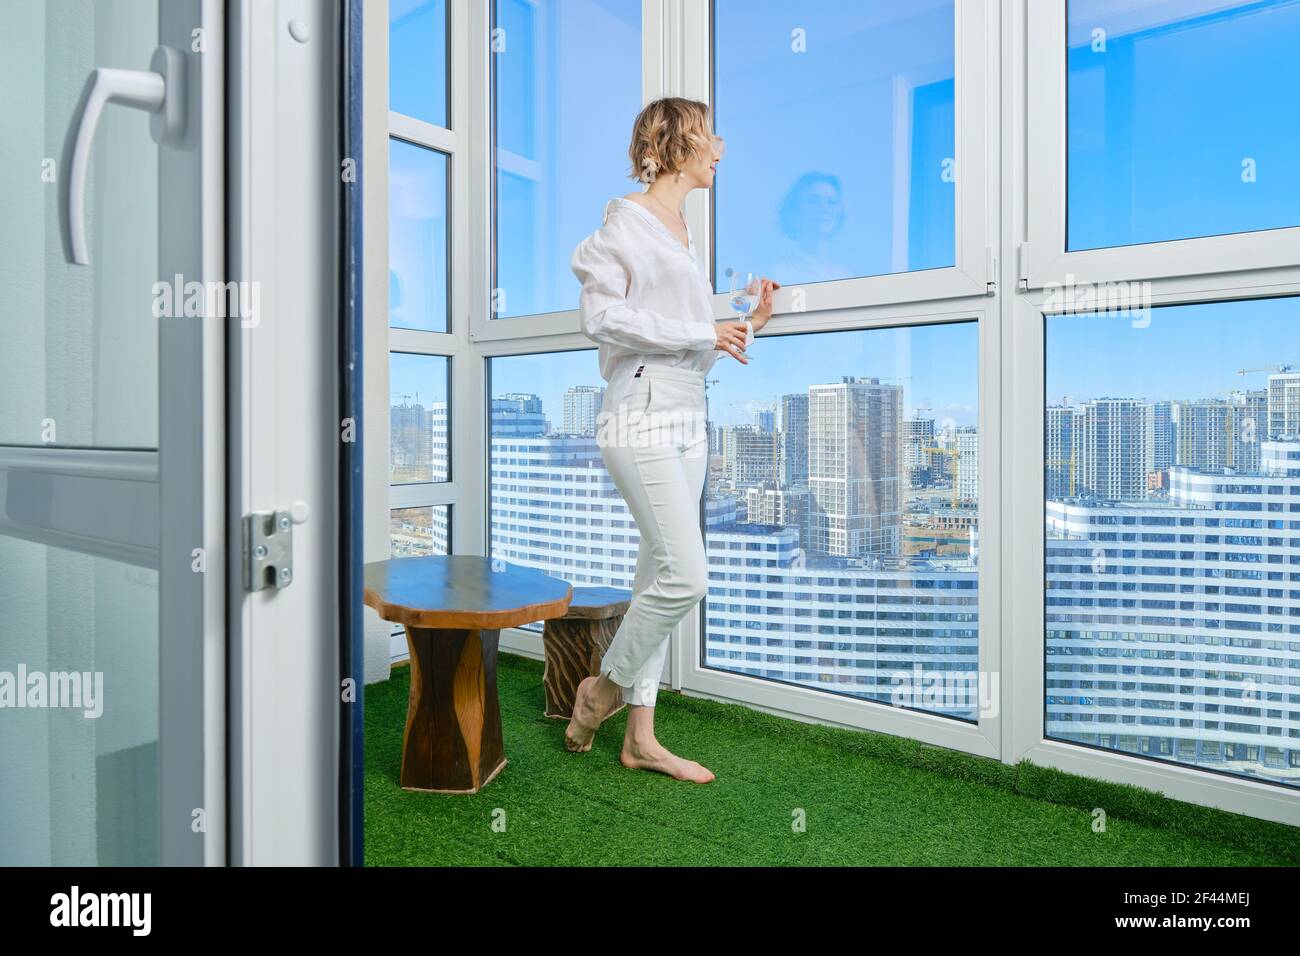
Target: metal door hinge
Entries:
(268, 550)
(990, 272)
(1022, 275)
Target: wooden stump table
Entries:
(575, 643)
(453, 608)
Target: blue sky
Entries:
(417, 378)
(1187, 351)
(1162, 119)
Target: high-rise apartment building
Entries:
(1214, 433)
(855, 466)
(968, 465)
(1159, 436)
(749, 455)
(581, 406)
(792, 449)
(1111, 442)
(1284, 404)
(1061, 452)
(918, 439)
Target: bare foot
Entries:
(653, 755)
(589, 712)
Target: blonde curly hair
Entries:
(667, 132)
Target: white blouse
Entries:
(644, 294)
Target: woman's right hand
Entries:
(731, 339)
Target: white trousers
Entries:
(655, 445)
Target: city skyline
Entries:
(1186, 352)
(945, 382)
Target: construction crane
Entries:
(1266, 368)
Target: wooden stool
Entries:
(453, 608)
(575, 643)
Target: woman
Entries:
(647, 302)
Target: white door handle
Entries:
(159, 90)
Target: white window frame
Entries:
(451, 142)
(982, 737)
(676, 57)
(1000, 74)
(959, 292)
(655, 56)
(901, 299)
(1023, 637)
(283, 432)
(691, 25)
(1043, 256)
(1034, 30)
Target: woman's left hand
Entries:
(763, 314)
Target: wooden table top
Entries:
(463, 590)
(598, 603)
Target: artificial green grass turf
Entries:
(868, 799)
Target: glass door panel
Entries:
(80, 357)
(101, 672)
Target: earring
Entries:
(679, 174)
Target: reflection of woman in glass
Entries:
(809, 217)
(647, 301)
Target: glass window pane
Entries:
(566, 88)
(862, 183)
(417, 59)
(79, 343)
(417, 532)
(843, 517)
(417, 237)
(419, 439)
(80, 780)
(1182, 119)
(552, 504)
(1173, 535)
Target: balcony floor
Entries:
(869, 799)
